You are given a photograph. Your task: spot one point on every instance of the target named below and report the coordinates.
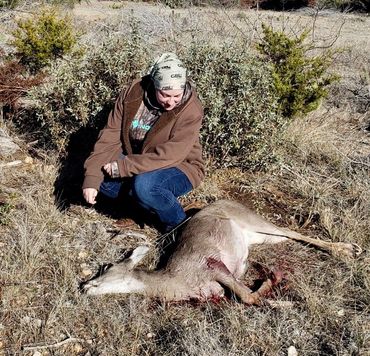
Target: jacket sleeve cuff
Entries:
(92, 182)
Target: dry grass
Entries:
(320, 186)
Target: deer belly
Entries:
(236, 253)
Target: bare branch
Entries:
(57, 344)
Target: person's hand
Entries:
(90, 195)
(108, 168)
(111, 169)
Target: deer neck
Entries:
(162, 285)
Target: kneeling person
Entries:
(152, 136)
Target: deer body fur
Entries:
(211, 254)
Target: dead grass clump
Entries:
(332, 175)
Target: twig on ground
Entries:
(11, 164)
(57, 344)
(130, 233)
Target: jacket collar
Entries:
(132, 103)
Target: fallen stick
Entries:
(57, 344)
(11, 164)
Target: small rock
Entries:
(292, 351)
(82, 255)
(28, 160)
(31, 321)
(7, 146)
(150, 335)
(37, 322)
(341, 312)
(26, 320)
(37, 353)
(86, 271)
(78, 348)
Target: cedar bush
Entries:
(300, 81)
(42, 38)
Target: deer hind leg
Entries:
(338, 249)
(225, 277)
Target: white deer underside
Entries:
(212, 253)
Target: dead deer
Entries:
(211, 254)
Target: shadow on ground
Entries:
(67, 186)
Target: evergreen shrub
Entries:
(42, 38)
(300, 81)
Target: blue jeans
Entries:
(156, 191)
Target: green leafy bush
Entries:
(241, 115)
(80, 88)
(241, 111)
(300, 81)
(42, 38)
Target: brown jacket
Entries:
(173, 141)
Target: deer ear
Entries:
(138, 254)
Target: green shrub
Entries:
(81, 88)
(241, 116)
(42, 38)
(241, 112)
(300, 81)
(67, 3)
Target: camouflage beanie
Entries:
(168, 72)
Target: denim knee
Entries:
(110, 188)
(142, 189)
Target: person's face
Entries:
(168, 99)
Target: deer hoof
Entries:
(348, 250)
(276, 276)
(357, 250)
